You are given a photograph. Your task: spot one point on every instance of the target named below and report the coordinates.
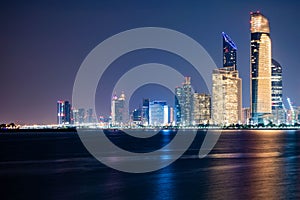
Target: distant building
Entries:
(90, 116)
(184, 103)
(178, 103)
(246, 115)
(145, 112)
(63, 112)
(171, 116)
(260, 76)
(227, 87)
(201, 109)
(278, 114)
(158, 113)
(137, 116)
(119, 111)
(229, 53)
(81, 115)
(75, 119)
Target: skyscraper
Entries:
(201, 108)
(157, 113)
(63, 112)
(68, 113)
(276, 83)
(145, 112)
(184, 103)
(227, 87)
(229, 53)
(119, 110)
(260, 74)
(60, 112)
(178, 103)
(90, 116)
(136, 116)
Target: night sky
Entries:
(43, 43)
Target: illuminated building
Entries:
(227, 87)
(260, 74)
(119, 111)
(229, 53)
(183, 103)
(81, 115)
(137, 116)
(90, 116)
(201, 109)
(171, 115)
(178, 103)
(145, 112)
(246, 115)
(75, 114)
(278, 114)
(158, 113)
(63, 112)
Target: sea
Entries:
(244, 164)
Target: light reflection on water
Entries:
(243, 165)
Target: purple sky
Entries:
(43, 44)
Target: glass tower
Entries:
(276, 82)
(63, 112)
(184, 103)
(178, 103)
(260, 68)
(119, 111)
(157, 113)
(145, 112)
(229, 53)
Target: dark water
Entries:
(243, 165)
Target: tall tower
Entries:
(227, 87)
(119, 110)
(184, 103)
(145, 112)
(201, 108)
(157, 113)
(178, 103)
(63, 112)
(277, 105)
(60, 112)
(229, 53)
(186, 111)
(260, 67)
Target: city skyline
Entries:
(40, 63)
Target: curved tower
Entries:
(260, 74)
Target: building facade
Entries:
(246, 115)
(201, 109)
(227, 87)
(145, 112)
(119, 111)
(136, 116)
(64, 115)
(229, 53)
(184, 103)
(260, 68)
(178, 103)
(278, 113)
(158, 113)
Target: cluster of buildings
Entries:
(68, 115)
(223, 106)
